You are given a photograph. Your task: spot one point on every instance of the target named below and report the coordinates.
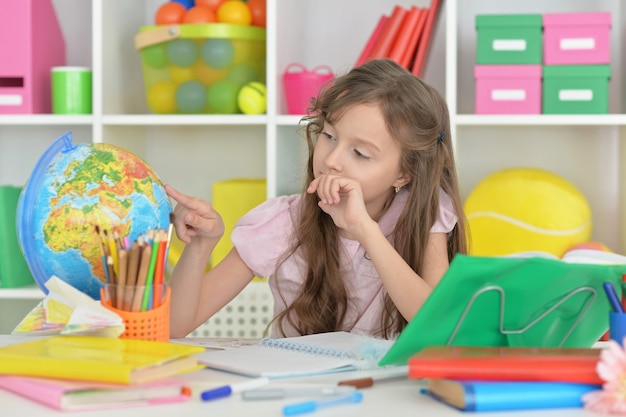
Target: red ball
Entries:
(258, 8)
(199, 14)
(211, 4)
(170, 13)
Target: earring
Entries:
(398, 188)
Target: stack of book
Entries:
(403, 36)
(506, 378)
(84, 372)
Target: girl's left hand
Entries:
(342, 199)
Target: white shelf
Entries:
(32, 292)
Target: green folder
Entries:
(516, 302)
(14, 271)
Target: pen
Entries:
(309, 406)
(227, 390)
(369, 382)
(277, 393)
(615, 302)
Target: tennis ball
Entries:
(526, 209)
(252, 98)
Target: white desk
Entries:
(391, 399)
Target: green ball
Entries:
(242, 74)
(252, 98)
(222, 97)
(155, 56)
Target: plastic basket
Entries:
(199, 69)
(152, 324)
(301, 85)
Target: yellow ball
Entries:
(526, 209)
(161, 97)
(252, 98)
(181, 74)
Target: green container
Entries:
(576, 89)
(509, 39)
(14, 271)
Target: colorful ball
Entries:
(217, 53)
(170, 13)
(182, 52)
(160, 97)
(208, 75)
(252, 98)
(526, 209)
(155, 56)
(211, 4)
(187, 4)
(258, 9)
(242, 74)
(181, 74)
(199, 14)
(222, 97)
(191, 97)
(235, 12)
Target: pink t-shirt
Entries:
(263, 235)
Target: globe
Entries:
(75, 193)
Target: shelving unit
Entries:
(193, 152)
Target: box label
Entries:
(575, 95)
(508, 95)
(574, 44)
(509, 45)
(10, 100)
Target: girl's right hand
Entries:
(194, 218)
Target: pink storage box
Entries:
(576, 38)
(508, 89)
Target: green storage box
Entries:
(14, 271)
(509, 39)
(576, 89)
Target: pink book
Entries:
(70, 395)
(409, 53)
(372, 40)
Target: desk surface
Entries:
(401, 398)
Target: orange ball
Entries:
(199, 14)
(235, 12)
(258, 9)
(211, 4)
(170, 13)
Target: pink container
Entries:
(31, 43)
(301, 85)
(508, 89)
(576, 38)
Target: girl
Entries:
(362, 248)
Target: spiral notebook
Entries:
(299, 356)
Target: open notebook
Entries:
(299, 356)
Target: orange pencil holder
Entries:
(153, 324)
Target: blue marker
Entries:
(228, 390)
(310, 406)
(612, 296)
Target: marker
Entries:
(278, 393)
(310, 406)
(615, 302)
(228, 390)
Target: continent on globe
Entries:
(75, 189)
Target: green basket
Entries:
(199, 68)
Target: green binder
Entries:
(14, 271)
(517, 302)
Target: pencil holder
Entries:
(152, 323)
(617, 326)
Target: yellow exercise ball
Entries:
(526, 209)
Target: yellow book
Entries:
(87, 358)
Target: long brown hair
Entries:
(417, 116)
